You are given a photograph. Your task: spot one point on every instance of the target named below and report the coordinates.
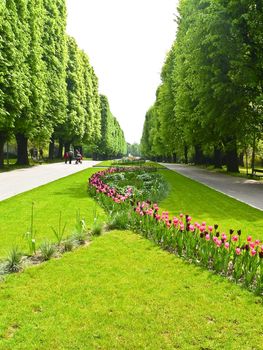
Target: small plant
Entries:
(80, 230)
(119, 221)
(97, 228)
(68, 244)
(31, 234)
(60, 231)
(14, 260)
(47, 250)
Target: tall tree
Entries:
(55, 58)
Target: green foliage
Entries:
(48, 89)
(80, 229)
(211, 92)
(112, 142)
(14, 260)
(30, 235)
(47, 250)
(60, 231)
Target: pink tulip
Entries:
(219, 243)
(257, 242)
(175, 220)
(210, 228)
(224, 237)
(252, 245)
(253, 252)
(249, 239)
(207, 237)
(238, 251)
(235, 238)
(227, 245)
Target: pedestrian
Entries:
(41, 153)
(70, 156)
(78, 157)
(66, 157)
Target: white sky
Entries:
(126, 41)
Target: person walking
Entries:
(78, 157)
(70, 156)
(66, 157)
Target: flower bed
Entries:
(197, 242)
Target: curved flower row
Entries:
(96, 181)
(198, 242)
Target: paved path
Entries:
(21, 180)
(244, 190)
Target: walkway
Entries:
(244, 190)
(21, 180)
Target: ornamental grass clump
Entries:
(47, 250)
(80, 230)
(14, 261)
(199, 243)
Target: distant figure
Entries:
(70, 156)
(31, 151)
(66, 157)
(40, 153)
(35, 153)
(78, 157)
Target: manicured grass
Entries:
(66, 195)
(242, 171)
(204, 204)
(122, 292)
(108, 163)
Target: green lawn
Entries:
(66, 195)
(204, 204)
(108, 163)
(122, 292)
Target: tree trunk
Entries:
(22, 154)
(253, 154)
(60, 149)
(232, 158)
(198, 158)
(51, 148)
(241, 158)
(2, 142)
(217, 157)
(186, 154)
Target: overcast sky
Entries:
(126, 41)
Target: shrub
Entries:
(14, 260)
(47, 250)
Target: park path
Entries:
(244, 190)
(22, 180)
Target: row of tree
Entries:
(48, 89)
(112, 143)
(210, 101)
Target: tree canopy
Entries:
(209, 103)
(48, 88)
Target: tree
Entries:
(55, 58)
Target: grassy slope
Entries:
(67, 195)
(205, 204)
(122, 292)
